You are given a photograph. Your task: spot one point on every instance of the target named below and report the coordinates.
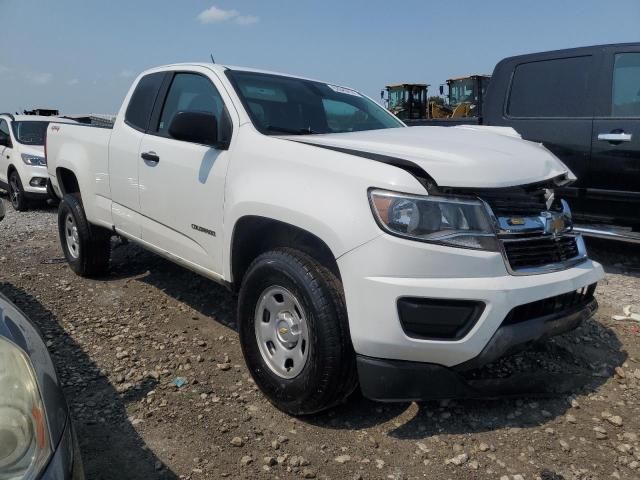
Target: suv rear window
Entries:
(30, 132)
(551, 88)
(142, 100)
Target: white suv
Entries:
(23, 169)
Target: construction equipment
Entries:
(464, 98)
(407, 101)
(43, 112)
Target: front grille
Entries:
(515, 201)
(525, 220)
(550, 306)
(540, 251)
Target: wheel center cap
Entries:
(288, 330)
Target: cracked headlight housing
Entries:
(451, 221)
(24, 437)
(34, 160)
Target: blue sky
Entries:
(81, 56)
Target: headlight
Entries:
(24, 437)
(33, 160)
(456, 222)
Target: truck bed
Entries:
(94, 120)
(84, 150)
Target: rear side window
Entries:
(551, 88)
(142, 100)
(626, 85)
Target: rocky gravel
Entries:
(155, 380)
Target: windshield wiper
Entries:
(293, 131)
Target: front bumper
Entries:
(34, 181)
(395, 380)
(393, 365)
(378, 273)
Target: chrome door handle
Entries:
(615, 137)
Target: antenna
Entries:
(212, 60)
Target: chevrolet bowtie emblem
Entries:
(283, 330)
(556, 225)
(516, 221)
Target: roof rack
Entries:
(10, 115)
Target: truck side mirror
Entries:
(441, 89)
(4, 140)
(196, 127)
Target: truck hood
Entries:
(466, 156)
(32, 149)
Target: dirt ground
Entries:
(120, 344)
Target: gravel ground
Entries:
(121, 342)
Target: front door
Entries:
(614, 189)
(182, 183)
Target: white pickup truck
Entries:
(364, 252)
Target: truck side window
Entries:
(192, 92)
(142, 100)
(551, 88)
(625, 97)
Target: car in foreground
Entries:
(363, 251)
(23, 171)
(37, 439)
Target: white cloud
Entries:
(73, 81)
(4, 69)
(216, 15)
(246, 19)
(126, 74)
(38, 78)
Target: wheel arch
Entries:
(253, 235)
(67, 181)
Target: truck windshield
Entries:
(285, 105)
(30, 132)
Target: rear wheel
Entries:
(294, 332)
(86, 247)
(16, 192)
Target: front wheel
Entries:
(16, 193)
(86, 247)
(294, 332)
